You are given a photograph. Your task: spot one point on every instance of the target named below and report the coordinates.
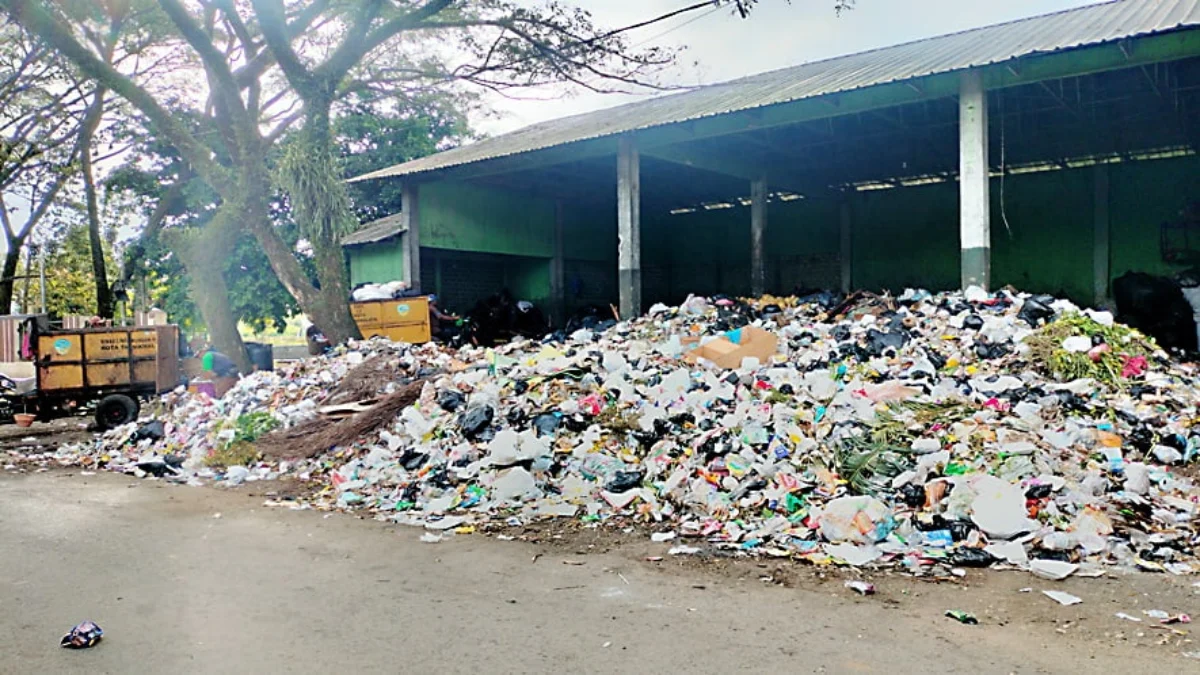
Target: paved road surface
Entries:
(262, 590)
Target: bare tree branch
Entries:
(37, 19)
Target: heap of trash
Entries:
(928, 432)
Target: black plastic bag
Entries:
(1039, 491)
(157, 468)
(960, 529)
(879, 342)
(450, 400)
(413, 460)
(625, 481)
(474, 421)
(967, 556)
(547, 424)
(1035, 312)
(913, 495)
(990, 351)
(152, 430)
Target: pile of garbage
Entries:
(385, 291)
(929, 432)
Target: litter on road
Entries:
(1063, 598)
(86, 634)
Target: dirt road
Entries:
(202, 580)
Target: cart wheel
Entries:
(115, 410)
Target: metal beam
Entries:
(758, 228)
(974, 182)
(410, 241)
(558, 295)
(846, 249)
(629, 236)
(1101, 264)
(732, 167)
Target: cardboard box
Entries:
(730, 349)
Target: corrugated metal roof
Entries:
(376, 230)
(1094, 24)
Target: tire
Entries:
(115, 410)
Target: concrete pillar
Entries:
(758, 228)
(1101, 242)
(973, 181)
(410, 241)
(629, 226)
(846, 250)
(558, 294)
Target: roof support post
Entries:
(558, 297)
(846, 249)
(758, 227)
(1101, 241)
(629, 227)
(410, 241)
(973, 181)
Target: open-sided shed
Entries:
(1046, 153)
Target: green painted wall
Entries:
(465, 217)
(909, 236)
(708, 252)
(1142, 196)
(590, 233)
(375, 263)
(1048, 244)
(906, 237)
(529, 279)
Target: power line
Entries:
(690, 21)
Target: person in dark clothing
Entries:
(317, 342)
(437, 319)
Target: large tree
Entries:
(267, 64)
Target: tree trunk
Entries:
(205, 254)
(104, 301)
(333, 305)
(331, 309)
(87, 133)
(12, 259)
(211, 295)
(27, 280)
(327, 307)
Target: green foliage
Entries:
(253, 425)
(1046, 349)
(311, 177)
(240, 453)
(70, 286)
(373, 132)
(868, 462)
(257, 297)
(868, 467)
(255, 294)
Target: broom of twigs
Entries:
(317, 436)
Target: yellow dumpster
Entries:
(403, 320)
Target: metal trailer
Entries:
(113, 368)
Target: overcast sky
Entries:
(720, 46)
